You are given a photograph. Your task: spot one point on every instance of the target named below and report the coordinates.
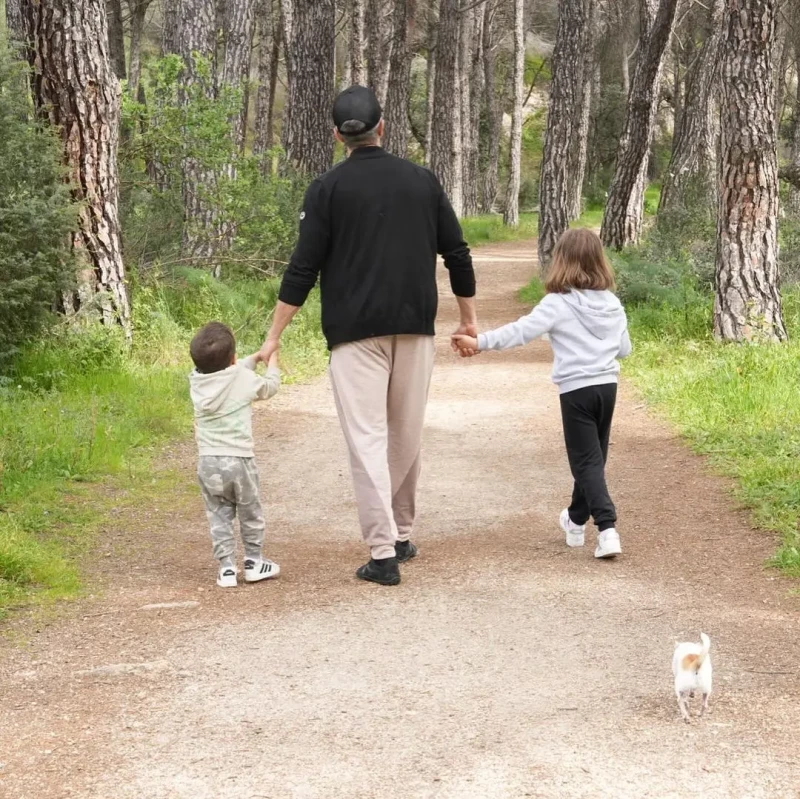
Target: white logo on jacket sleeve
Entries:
(302, 215)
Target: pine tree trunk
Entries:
(781, 58)
(494, 116)
(69, 51)
(137, 10)
(15, 20)
(472, 128)
(794, 191)
(379, 47)
(430, 78)
(446, 121)
(399, 93)
(358, 75)
(511, 212)
(269, 49)
(583, 112)
(689, 182)
(196, 39)
(555, 200)
(116, 37)
(465, 111)
(622, 222)
(238, 42)
(307, 136)
(748, 301)
(169, 37)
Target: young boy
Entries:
(223, 391)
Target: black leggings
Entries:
(587, 414)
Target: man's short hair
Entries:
(213, 348)
(354, 133)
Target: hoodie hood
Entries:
(600, 312)
(211, 393)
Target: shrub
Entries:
(36, 215)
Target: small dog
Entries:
(691, 666)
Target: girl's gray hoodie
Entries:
(588, 331)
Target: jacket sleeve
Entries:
(263, 387)
(312, 247)
(453, 249)
(538, 322)
(625, 346)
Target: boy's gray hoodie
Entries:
(588, 331)
(223, 409)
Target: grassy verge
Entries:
(490, 228)
(736, 405)
(80, 413)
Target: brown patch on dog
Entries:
(692, 662)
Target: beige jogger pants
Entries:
(381, 389)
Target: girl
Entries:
(588, 331)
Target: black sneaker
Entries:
(384, 571)
(405, 550)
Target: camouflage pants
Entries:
(230, 488)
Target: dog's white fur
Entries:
(691, 666)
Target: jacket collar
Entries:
(373, 151)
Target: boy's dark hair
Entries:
(213, 347)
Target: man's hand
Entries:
(468, 330)
(268, 349)
(466, 346)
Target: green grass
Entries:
(735, 404)
(80, 414)
(490, 228)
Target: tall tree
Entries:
(379, 46)
(137, 10)
(494, 116)
(472, 101)
(269, 51)
(89, 126)
(15, 20)
(430, 77)
(563, 116)
(794, 196)
(399, 92)
(446, 159)
(307, 135)
(116, 37)
(748, 300)
(238, 43)
(358, 74)
(622, 222)
(169, 34)
(511, 213)
(579, 147)
(690, 177)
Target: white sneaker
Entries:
(608, 544)
(575, 532)
(261, 569)
(227, 577)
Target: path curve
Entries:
(504, 665)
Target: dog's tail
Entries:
(704, 653)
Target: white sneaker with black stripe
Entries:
(226, 577)
(261, 569)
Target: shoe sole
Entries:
(607, 554)
(227, 585)
(259, 578)
(393, 581)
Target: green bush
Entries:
(36, 215)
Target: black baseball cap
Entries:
(358, 106)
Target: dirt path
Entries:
(503, 666)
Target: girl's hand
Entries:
(467, 346)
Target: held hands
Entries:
(466, 346)
(269, 350)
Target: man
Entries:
(371, 229)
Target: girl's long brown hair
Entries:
(579, 262)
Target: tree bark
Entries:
(622, 221)
(116, 37)
(494, 116)
(269, 49)
(781, 59)
(583, 111)
(379, 47)
(471, 120)
(169, 34)
(15, 20)
(446, 122)
(794, 194)
(748, 300)
(137, 10)
(68, 52)
(563, 117)
(430, 78)
(238, 43)
(307, 135)
(399, 92)
(690, 178)
(511, 212)
(358, 74)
